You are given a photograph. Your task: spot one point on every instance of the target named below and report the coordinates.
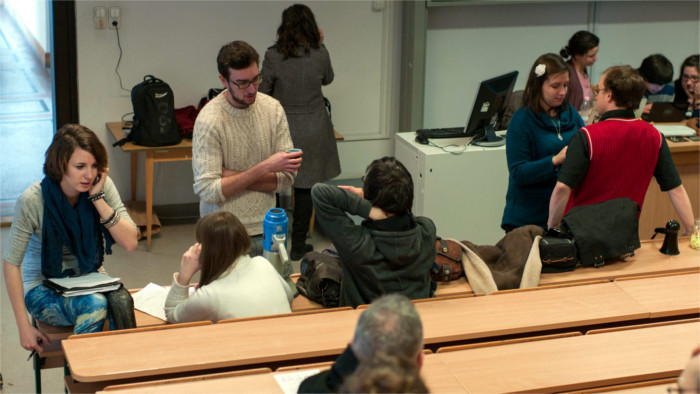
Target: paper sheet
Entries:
(290, 381)
(151, 299)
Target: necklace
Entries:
(557, 126)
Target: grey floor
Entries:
(136, 269)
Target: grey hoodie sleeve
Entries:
(332, 205)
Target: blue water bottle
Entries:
(275, 223)
(275, 243)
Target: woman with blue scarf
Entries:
(62, 227)
(536, 142)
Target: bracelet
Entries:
(113, 222)
(96, 196)
(109, 219)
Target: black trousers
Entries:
(303, 207)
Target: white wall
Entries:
(178, 41)
(467, 44)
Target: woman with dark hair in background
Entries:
(582, 50)
(687, 86)
(231, 283)
(63, 226)
(536, 143)
(294, 71)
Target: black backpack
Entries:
(154, 114)
(321, 277)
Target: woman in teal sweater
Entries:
(536, 143)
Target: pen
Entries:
(34, 350)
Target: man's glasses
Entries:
(693, 78)
(244, 84)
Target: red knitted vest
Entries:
(623, 154)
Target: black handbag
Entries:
(604, 231)
(557, 254)
(321, 278)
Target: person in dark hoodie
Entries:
(536, 143)
(391, 251)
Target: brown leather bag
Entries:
(448, 261)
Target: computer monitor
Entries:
(489, 105)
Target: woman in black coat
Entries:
(294, 70)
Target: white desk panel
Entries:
(464, 194)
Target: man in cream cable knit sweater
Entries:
(239, 143)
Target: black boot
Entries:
(303, 207)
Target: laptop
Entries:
(674, 130)
(666, 113)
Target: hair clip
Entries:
(540, 69)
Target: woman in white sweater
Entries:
(232, 284)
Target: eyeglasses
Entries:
(597, 90)
(244, 84)
(693, 78)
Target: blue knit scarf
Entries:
(78, 227)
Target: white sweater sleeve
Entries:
(181, 308)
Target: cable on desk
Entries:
(453, 152)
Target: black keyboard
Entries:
(451, 132)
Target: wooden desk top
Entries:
(683, 146)
(666, 295)
(435, 375)
(211, 346)
(280, 338)
(515, 313)
(646, 261)
(576, 363)
(118, 133)
(116, 129)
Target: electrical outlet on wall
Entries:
(100, 16)
(115, 17)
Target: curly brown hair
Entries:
(298, 29)
(65, 141)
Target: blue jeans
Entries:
(86, 313)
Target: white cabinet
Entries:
(463, 193)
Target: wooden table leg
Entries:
(149, 197)
(134, 174)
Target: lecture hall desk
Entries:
(575, 363)
(281, 339)
(647, 260)
(550, 365)
(665, 296)
(435, 374)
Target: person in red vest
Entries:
(617, 156)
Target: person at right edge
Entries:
(617, 156)
(294, 70)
